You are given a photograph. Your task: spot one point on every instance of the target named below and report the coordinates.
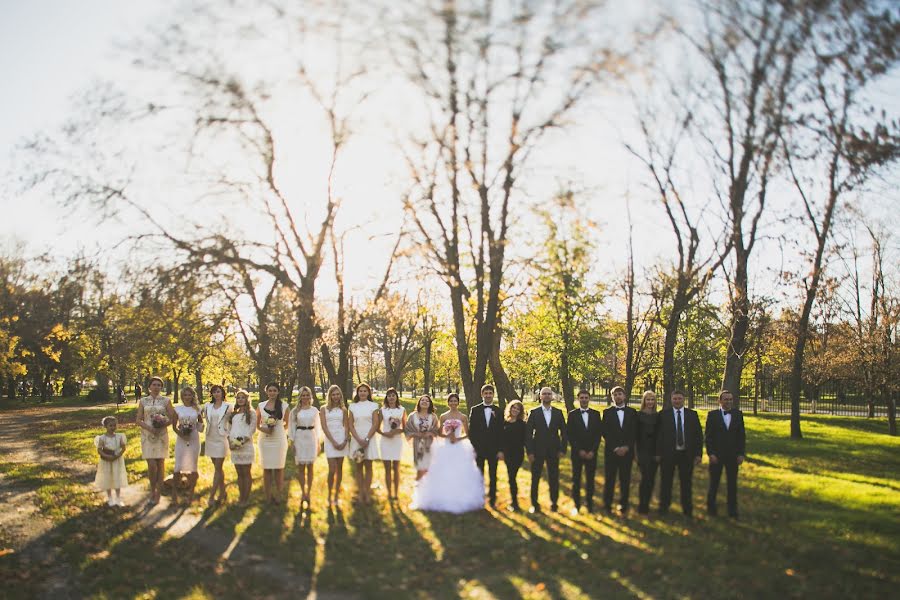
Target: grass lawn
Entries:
(819, 518)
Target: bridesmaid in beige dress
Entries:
(154, 414)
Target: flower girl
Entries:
(111, 473)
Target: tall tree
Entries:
(838, 139)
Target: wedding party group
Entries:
(450, 451)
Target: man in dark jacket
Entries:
(486, 435)
(679, 444)
(545, 442)
(584, 429)
(725, 446)
(620, 437)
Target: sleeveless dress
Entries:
(154, 444)
(454, 482)
(246, 454)
(111, 475)
(363, 414)
(391, 448)
(217, 429)
(304, 428)
(334, 420)
(273, 445)
(421, 446)
(187, 448)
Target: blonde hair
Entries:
(646, 396)
(329, 404)
(237, 408)
(297, 408)
(196, 403)
(507, 416)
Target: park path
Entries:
(23, 529)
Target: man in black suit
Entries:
(679, 443)
(725, 445)
(584, 431)
(486, 434)
(545, 442)
(620, 424)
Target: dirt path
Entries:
(23, 529)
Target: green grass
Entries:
(820, 517)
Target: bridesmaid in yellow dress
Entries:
(111, 473)
(154, 414)
(272, 424)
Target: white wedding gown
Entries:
(453, 482)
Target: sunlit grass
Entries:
(819, 518)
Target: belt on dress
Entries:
(302, 427)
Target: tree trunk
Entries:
(740, 324)
(198, 384)
(426, 368)
(668, 365)
(176, 376)
(565, 378)
(462, 344)
(891, 402)
(505, 389)
(307, 333)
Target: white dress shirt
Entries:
(548, 414)
(675, 413)
(584, 417)
(488, 413)
(621, 415)
(727, 419)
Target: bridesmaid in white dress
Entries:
(304, 430)
(393, 422)
(335, 428)
(272, 423)
(111, 474)
(363, 425)
(242, 426)
(154, 414)
(217, 414)
(187, 427)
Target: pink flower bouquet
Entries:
(159, 420)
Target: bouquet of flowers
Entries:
(359, 455)
(237, 442)
(159, 420)
(270, 422)
(186, 426)
(394, 423)
(451, 426)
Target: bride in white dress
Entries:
(453, 482)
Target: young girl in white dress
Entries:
(242, 426)
(154, 414)
(271, 418)
(392, 419)
(304, 430)
(111, 474)
(187, 427)
(217, 414)
(363, 424)
(453, 482)
(333, 418)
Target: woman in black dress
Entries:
(514, 447)
(648, 422)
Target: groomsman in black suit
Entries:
(486, 435)
(585, 428)
(545, 442)
(725, 440)
(620, 423)
(679, 444)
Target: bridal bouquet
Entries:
(270, 422)
(452, 426)
(359, 455)
(237, 442)
(186, 426)
(394, 423)
(159, 420)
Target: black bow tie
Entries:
(584, 410)
(726, 412)
(620, 408)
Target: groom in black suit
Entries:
(620, 424)
(486, 435)
(585, 427)
(545, 442)
(679, 444)
(725, 441)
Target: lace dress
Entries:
(155, 443)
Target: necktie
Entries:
(679, 430)
(726, 412)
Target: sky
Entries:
(52, 50)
